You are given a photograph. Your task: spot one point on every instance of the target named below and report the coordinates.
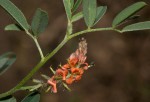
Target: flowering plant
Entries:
(76, 64)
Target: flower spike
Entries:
(73, 70)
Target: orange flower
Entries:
(78, 77)
(77, 73)
(66, 66)
(73, 60)
(62, 73)
(52, 82)
(70, 80)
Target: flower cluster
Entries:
(73, 70)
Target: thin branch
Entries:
(37, 45)
(39, 48)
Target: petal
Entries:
(77, 71)
(78, 77)
(70, 80)
(73, 62)
(74, 70)
(77, 52)
(82, 59)
(54, 89)
(72, 56)
(86, 66)
(81, 71)
(66, 66)
(62, 73)
(53, 84)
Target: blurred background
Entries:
(122, 61)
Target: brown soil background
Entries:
(122, 61)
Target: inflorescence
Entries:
(73, 70)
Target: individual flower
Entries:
(73, 60)
(52, 82)
(70, 80)
(65, 66)
(77, 73)
(62, 73)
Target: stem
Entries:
(37, 45)
(93, 30)
(39, 48)
(49, 56)
(69, 27)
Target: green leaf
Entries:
(89, 11)
(77, 17)
(76, 5)
(137, 26)
(67, 5)
(14, 27)
(100, 12)
(128, 12)
(31, 88)
(133, 17)
(72, 3)
(6, 60)
(8, 99)
(39, 22)
(33, 97)
(15, 13)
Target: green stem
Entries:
(69, 28)
(91, 30)
(37, 45)
(49, 56)
(39, 48)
